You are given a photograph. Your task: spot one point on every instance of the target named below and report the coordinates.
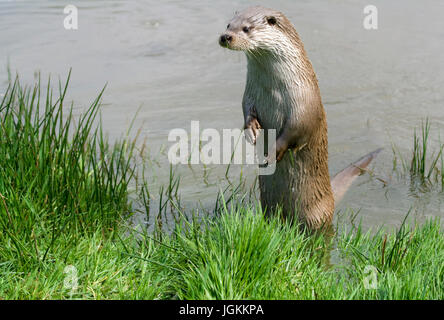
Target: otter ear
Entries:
(271, 20)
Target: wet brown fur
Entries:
(282, 93)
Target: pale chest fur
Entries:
(276, 99)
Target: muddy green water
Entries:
(163, 57)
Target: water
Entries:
(163, 57)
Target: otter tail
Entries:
(342, 180)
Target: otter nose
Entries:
(225, 38)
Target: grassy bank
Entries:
(64, 201)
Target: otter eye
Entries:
(271, 21)
(228, 26)
(245, 29)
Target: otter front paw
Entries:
(277, 152)
(252, 127)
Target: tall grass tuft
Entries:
(56, 177)
(426, 166)
(419, 167)
(243, 255)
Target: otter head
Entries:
(257, 28)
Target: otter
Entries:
(282, 93)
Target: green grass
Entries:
(240, 255)
(64, 233)
(57, 176)
(425, 166)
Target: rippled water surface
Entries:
(163, 57)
